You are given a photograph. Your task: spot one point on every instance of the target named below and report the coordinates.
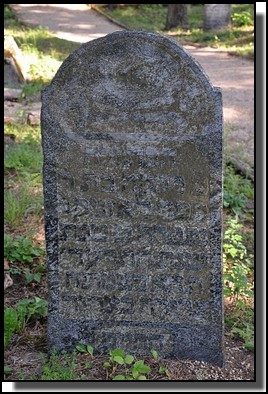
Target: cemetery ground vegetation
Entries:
(238, 39)
(26, 298)
(25, 303)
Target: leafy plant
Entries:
(85, 348)
(154, 354)
(238, 283)
(15, 271)
(242, 18)
(20, 249)
(139, 369)
(246, 333)
(237, 267)
(32, 277)
(7, 370)
(33, 308)
(237, 190)
(163, 370)
(119, 357)
(16, 318)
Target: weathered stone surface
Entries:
(217, 16)
(132, 140)
(12, 94)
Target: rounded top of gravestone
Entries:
(126, 79)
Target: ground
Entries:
(235, 76)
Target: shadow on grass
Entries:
(47, 44)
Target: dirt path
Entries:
(72, 22)
(76, 22)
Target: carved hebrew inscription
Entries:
(134, 228)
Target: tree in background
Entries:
(217, 16)
(176, 16)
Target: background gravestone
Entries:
(132, 140)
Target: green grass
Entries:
(23, 174)
(24, 157)
(60, 367)
(19, 203)
(15, 319)
(42, 52)
(237, 39)
(143, 17)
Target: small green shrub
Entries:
(239, 286)
(237, 265)
(242, 18)
(32, 308)
(237, 190)
(20, 249)
(15, 319)
(118, 357)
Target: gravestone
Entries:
(132, 141)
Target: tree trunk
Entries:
(176, 16)
(217, 16)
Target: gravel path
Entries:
(235, 75)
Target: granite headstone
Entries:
(132, 141)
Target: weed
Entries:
(139, 369)
(24, 133)
(20, 249)
(163, 370)
(28, 309)
(33, 87)
(237, 190)
(15, 271)
(15, 319)
(60, 367)
(7, 370)
(238, 288)
(11, 324)
(19, 203)
(119, 357)
(85, 349)
(32, 277)
(25, 156)
(237, 266)
(242, 18)
(246, 333)
(16, 204)
(154, 354)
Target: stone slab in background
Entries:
(132, 142)
(12, 94)
(11, 77)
